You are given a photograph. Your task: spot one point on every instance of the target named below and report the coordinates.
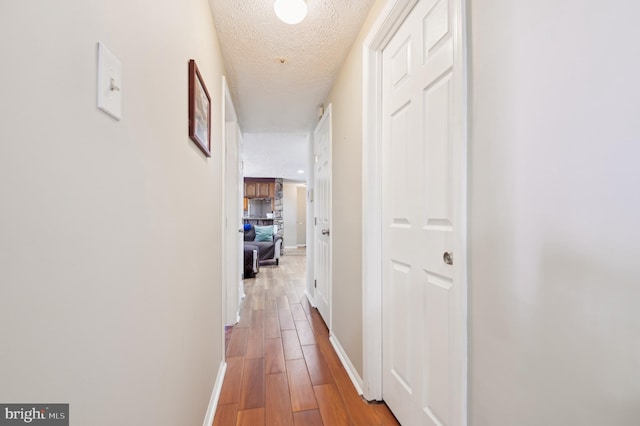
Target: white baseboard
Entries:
(215, 395)
(310, 298)
(346, 363)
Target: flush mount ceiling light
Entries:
(290, 11)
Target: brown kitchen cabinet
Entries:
(259, 188)
(250, 189)
(264, 189)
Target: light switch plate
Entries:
(109, 82)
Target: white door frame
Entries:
(311, 259)
(231, 291)
(326, 119)
(390, 19)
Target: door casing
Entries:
(232, 278)
(323, 220)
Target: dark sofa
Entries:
(268, 250)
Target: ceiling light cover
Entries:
(291, 11)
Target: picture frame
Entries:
(199, 110)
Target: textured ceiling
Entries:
(275, 97)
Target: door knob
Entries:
(448, 257)
(325, 232)
(241, 230)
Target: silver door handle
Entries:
(448, 257)
(241, 230)
(325, 232)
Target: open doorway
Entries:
(277, 167)
(295, 215)
(273, 197)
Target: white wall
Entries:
(109, 230)
(554, 207)
(301, 210)
(346, 233)
(276, 155)
(290, 213)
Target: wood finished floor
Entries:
(281, 367)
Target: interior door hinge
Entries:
(315, 283)
(315, 220)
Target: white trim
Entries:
(223, 215)
(346, 363)
(310, 298)
(310, 221)
(223, 153)
(460, 35)
(328, 112)
(231, 307)
(391, 17)
(327, 116)
(215, 395)
(239, 151)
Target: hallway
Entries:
(281, 367)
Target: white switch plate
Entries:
(109, 82)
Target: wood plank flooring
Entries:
(281, 367)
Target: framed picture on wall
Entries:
(199, 110)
